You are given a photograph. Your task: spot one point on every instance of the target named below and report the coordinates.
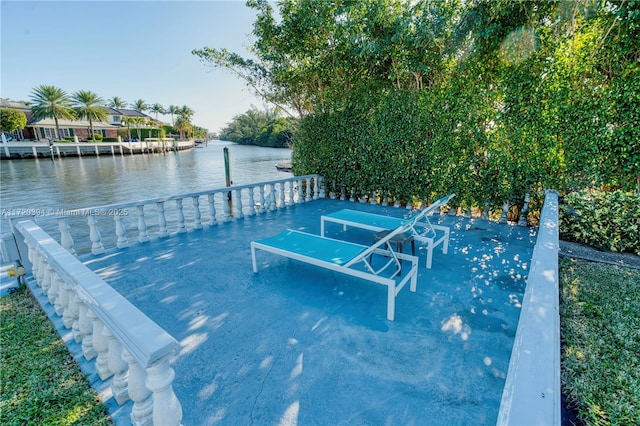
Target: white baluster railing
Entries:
(129, 348)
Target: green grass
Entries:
(40, 383)
(600, 329)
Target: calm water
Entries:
(92, 181)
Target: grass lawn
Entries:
(600, 329)
(40, 383)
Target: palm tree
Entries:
(90, 106)
(138, 121)
(187, 113)
(128, 121)
(51, 102)
(157, 109)
(117, 103)
(140, 105)
(173, 110)
(182, 125)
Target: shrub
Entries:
(97, 137)
(604, 220)
(110, 140)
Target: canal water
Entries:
(40, 185)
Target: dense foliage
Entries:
(490, 99)
(262, 128)
(605, 220)
(12, 119)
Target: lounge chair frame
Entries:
(376, 223)
(357, 265)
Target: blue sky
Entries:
(130, 49)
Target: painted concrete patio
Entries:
(295, 344)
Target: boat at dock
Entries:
(284, 166)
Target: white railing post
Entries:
(66, 240)
(212, 209)
(283, 204)
(485, 211)
(121, 238)
(261, 209)
(273, 196)
(118, 367)
(162, 220)
(300, 192)
(197, 220)
(101, 346)
(181, 228)
(252, 203)
(167, 410)
(67, 303)
(86, 328)
(525, 210)
(238, 205)
(226, 199)
(76, 302)
(143, 237)
(94, 236)
(503, 216)
(53, 291)
(307, 196)
(142, 410)
(290, 202)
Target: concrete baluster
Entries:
(300, 198)
(212, 209)
(453, 211)
(282, 196)
(42, 269)
(396, 203)
(319, 188)
(52, 285)
(503, 216)
(525, 211)
(352, 195)
(85, 321)
(485, 211)
(66, 240)
(121, 240)
(162, 220)
(94, 235)
(238, 205)
(181, 226)
(385, 200)
(167, 410)
(101, 345)
(307, 195)
(142, 410)
(273, 196)
(67, 304)
(261, 209)
(118, 367)
(225, 206)
(143, 237)
(291, 200)
(74, 310)
(252, 203)
(197, 217)
(59, 293)
(343, 194)
(374, 198)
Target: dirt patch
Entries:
(580, 251)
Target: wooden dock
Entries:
(18, 150)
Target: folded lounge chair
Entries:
(422, 230)
(347, 258)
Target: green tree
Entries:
(129, 121)
(90, 106)
(186, 112)
(157, 109)
(140, 105)
(173, 110)
(12, 119)
(183, 126)
(117, 102)
(51, 102)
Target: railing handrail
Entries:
(85, 211)
(144, 339)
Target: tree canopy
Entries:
(490, 98)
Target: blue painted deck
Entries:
(295, 344)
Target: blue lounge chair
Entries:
(422, 230)
(347, 258)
